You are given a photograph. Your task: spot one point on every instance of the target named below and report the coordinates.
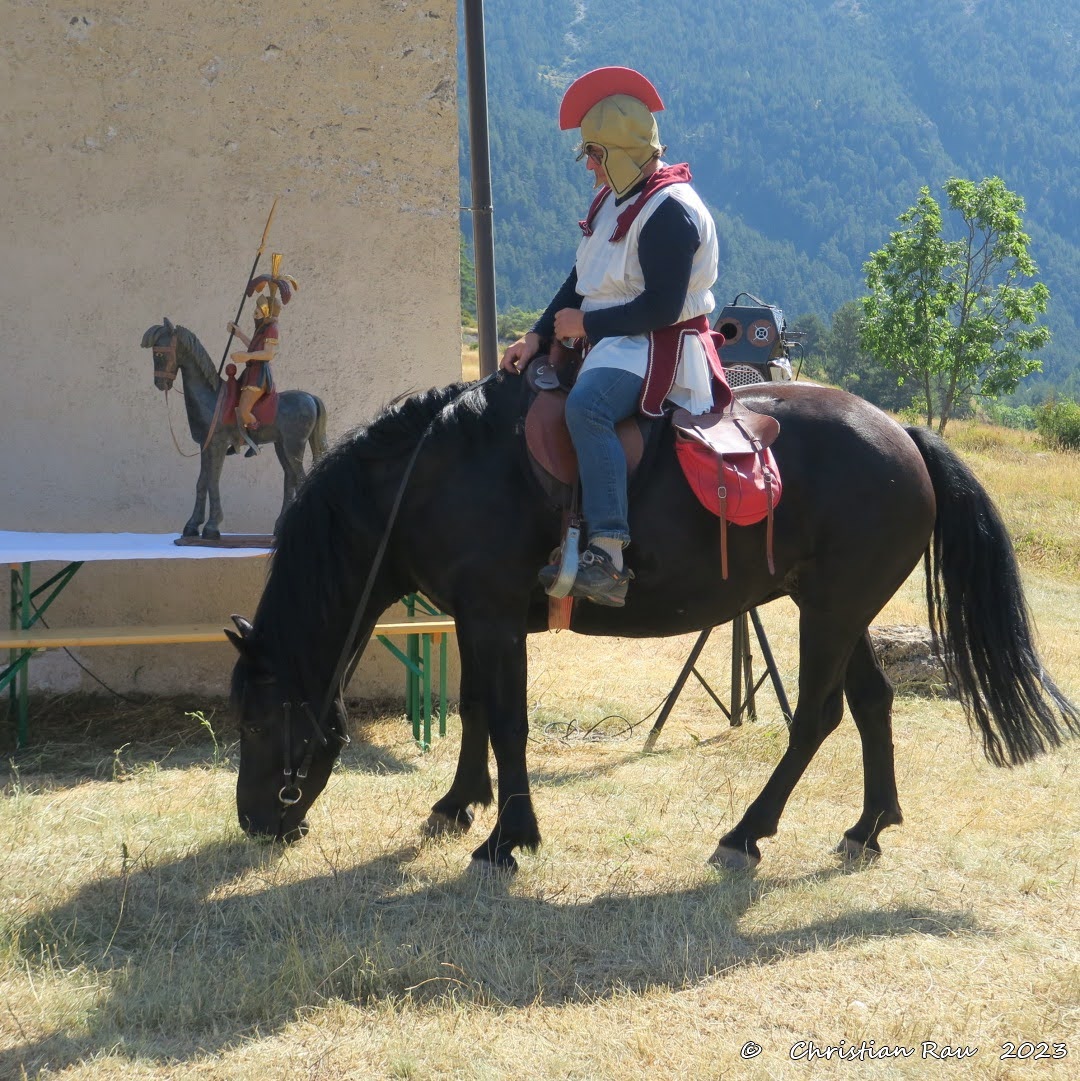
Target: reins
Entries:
(172, 432)
(169, 352)
(334, 689)
(291, 792)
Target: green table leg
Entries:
(427, 690)
(417, 661)
(22, 724)
(442, 684)
(23, 614)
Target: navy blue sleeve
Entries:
(566, 297)
(666, 250)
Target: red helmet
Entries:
(584, 92)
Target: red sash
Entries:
(662, 178)
(665, 351)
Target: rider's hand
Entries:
(569, 324)
(232, 328)
(520, 353)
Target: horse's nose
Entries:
(261, 831)
(297, 832)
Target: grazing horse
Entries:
(300, 421)
(437, 496)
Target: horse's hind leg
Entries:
(870, 698)
(823, 653)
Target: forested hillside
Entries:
(810, 126)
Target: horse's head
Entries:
(286, 751)
(162, 340)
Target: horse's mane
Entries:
(340, 510)
(186, 339)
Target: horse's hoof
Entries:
(483, 868)
(211, 534)
(733, 859)
(439, 824)
(190, 531)
(852, 851)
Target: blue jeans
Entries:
(602, 397)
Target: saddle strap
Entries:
(770, 501)
(721, 491)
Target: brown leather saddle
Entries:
(551, 451)
(735, 431)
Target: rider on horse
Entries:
(638, 297)
(261, 347)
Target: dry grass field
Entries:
(142, 937)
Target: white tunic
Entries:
(610, 274)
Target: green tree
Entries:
(513, 323)
(848, 365)
(953, 315)
(467, 273)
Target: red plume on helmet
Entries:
(275, 283)
(584, 92)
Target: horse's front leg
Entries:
(472, 780)
(191, 527)
(214, 459)
(493, 699)
(291, 459)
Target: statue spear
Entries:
(243, 295)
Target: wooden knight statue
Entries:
(275, 289)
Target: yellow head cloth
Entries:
(625, 130)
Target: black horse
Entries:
(440, 483)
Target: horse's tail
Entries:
(317, 439)
(979, 619)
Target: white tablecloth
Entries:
(85, 547)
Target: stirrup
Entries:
(568, 565)
(252, 449)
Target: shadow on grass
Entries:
(200, 954)
(79, 737)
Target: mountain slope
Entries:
(810, 126)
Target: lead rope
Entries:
(168, 413)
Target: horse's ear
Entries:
(242, 641)
(167, 324)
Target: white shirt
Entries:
(610, 274)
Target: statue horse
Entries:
(300, 421)
(437, 495)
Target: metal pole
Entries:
(480, 167)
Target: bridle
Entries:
(290, 792)
(165, 364)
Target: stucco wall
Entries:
(142, 147)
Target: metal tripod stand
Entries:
(743, 686)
